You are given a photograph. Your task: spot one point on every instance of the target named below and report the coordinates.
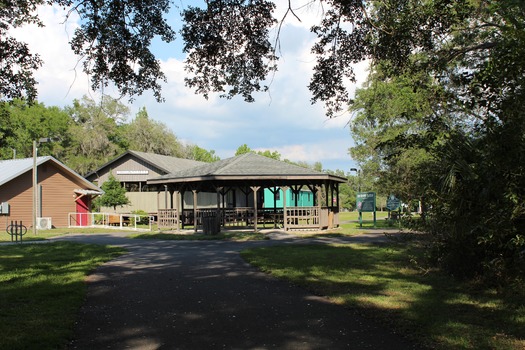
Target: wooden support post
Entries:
(275, 191)
(172, 192)
(177, 209)
(327, 194)
(255, 189)
(313, 189)
(165, 196)
(296, 190)
(338, 208)
(318, 191)
(245, 192)
(285, 216)
(195, 210)
(182, 207)
(218, 211)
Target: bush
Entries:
(144, 217)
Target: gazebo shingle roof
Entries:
(244, 167)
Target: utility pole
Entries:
(35, 183)
(35, 179)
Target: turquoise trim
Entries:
(305, 199)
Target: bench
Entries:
(114, 220)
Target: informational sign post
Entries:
(393, 203)
(366, 202)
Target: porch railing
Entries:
(302, 218)
(110, 220)
(296, 218)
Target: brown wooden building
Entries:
(133, 169)
(60, 192)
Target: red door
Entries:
(83, 205)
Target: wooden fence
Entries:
(294, 218)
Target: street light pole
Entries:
(358, 172)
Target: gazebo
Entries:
(240, 184)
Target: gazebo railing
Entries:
(168, 218)
(292, 218)
(303, 217)
(237, 217)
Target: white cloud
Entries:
(313, 152)
(60, 78)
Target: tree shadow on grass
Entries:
(380, 281)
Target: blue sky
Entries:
(282, 119)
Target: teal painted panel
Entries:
(305, 199)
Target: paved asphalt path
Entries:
(202, 295)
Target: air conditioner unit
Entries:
(4, 208)
(43, 223)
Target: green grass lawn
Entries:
(41, 290)
(368, 219)
(354, 216)
(45, 234)
(386, 284)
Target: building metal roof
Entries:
(248, 166)
(88, 192)
(166, 164)
(12, 168)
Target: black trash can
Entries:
(210, 224)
